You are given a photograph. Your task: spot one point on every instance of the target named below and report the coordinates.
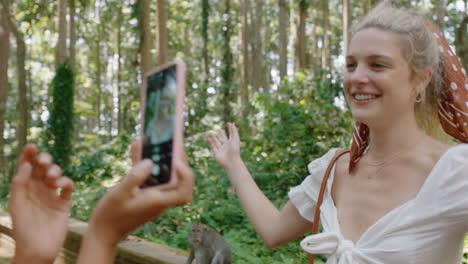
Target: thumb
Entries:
(136, 176)
(135, 151)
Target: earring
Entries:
(418, 98)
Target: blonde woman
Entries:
(401, 195)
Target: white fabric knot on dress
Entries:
(329, 243)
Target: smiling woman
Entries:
(400, 195)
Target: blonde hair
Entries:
(422, 52)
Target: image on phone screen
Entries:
(158, 130)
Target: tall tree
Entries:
(283, 39)
(145, 36)
(301, 37)
(21, 78)
(4, 54)
(119, 69)
(440, 11)
(227, 70)
(258, 60)
(326, 35)
(72, 30)
(162, 32)
(62, 32)
(204, 34)
(461, 41)
(345, 26)
(365, 6)
(98, 73)
(245, 73)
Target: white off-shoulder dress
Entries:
(429, 228)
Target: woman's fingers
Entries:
(214, 142)
(54, 173)
(234, 133)
(222, 136)
(66, 186)
(28, 154)
(23, 175)
(44, 161)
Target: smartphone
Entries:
(162, 94)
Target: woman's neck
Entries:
(393, 137)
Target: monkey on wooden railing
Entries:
(207, 246)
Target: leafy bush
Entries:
(60, 125)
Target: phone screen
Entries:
(158, 130)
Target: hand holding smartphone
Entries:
(162, 123)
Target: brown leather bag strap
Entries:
(315, 225)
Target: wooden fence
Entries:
(131, 251)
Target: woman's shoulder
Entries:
(455, 154)
(449, 153)
(320, 164)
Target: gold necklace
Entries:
(388, 161)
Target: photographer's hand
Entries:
(39, 205)
(126, 207)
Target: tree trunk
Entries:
(301, 39)
(345, 26)
(292, 35)
(245, 75)
(365, 6)
(283, 39)
(145, 37)
(326, 37)
(98, 80)
(62, 31)
(72, 51)
(461, 40)
(265, 65)
(162, 32)
(257, 50)
(119, 71)
(4, 56)
(205, 21)
(227, 70)
(440, 11)
(314, 52)
(22, 90)
(21, 71)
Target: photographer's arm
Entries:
(126, 207)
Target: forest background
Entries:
(273, 67)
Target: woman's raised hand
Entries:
(225, 148)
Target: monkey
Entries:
(207, 246)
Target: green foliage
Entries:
(60, 124)
(91, 164)
(97, 165)
(293, 130)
